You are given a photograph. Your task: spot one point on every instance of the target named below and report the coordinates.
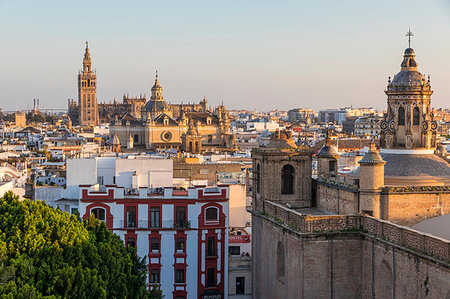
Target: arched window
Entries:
(212, 214)
(287, 179)
(416, 116)
(99, 213)
(190, 146)
(280, 261)
(401, 116)
(258, 178)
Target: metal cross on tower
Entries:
(409, 34)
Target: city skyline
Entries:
(261, 57)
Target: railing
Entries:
(165, 224)
(401, 235)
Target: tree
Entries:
(45, 252)
(156, 292)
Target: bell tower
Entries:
(87, 93)
(408, 122)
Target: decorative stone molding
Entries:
(400, 235)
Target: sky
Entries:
(262, 55)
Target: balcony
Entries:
(165, 224)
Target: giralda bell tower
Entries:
(87, 93)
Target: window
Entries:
(210, 279)
(154, 245)
(131, 242)
(234, 250)
(401, 116)
(155, 213)
(240, 285)
(211, 246)
(180, 216)
(416, 116)
(131, 216)
(99, 213)
(258, 178)
(154, 275)
(114, 179)
(136, 138)
(179, 276)
(100, 180)
(211, 214)
(190, 146)
(209, 138)
(332, 166)
(287, 179)
(180, 245)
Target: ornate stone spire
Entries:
(87, 60)
(157, 89)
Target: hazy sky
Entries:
(250, 54)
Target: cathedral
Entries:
(192, 127)
(153, 124)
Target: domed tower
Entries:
(409, 122)
(157, 104)
(371, 180)
(327, 160)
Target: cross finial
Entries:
(87, 44)
(409, 34)
(156, 73)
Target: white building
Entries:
(182, 233)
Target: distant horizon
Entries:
(256, 55)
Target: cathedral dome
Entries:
(408, 78)
(156, 105)
(156, 102)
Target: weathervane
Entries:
(409, 34)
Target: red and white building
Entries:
(183, 234)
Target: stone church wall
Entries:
(409, 208)
(338, 200)
(343, 257)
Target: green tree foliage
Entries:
(156, 292)
(45, 253)
(34, 118)
(9, 117)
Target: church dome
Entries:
(156, 105)
(408, 78)
(328, 150)
(156, 102)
